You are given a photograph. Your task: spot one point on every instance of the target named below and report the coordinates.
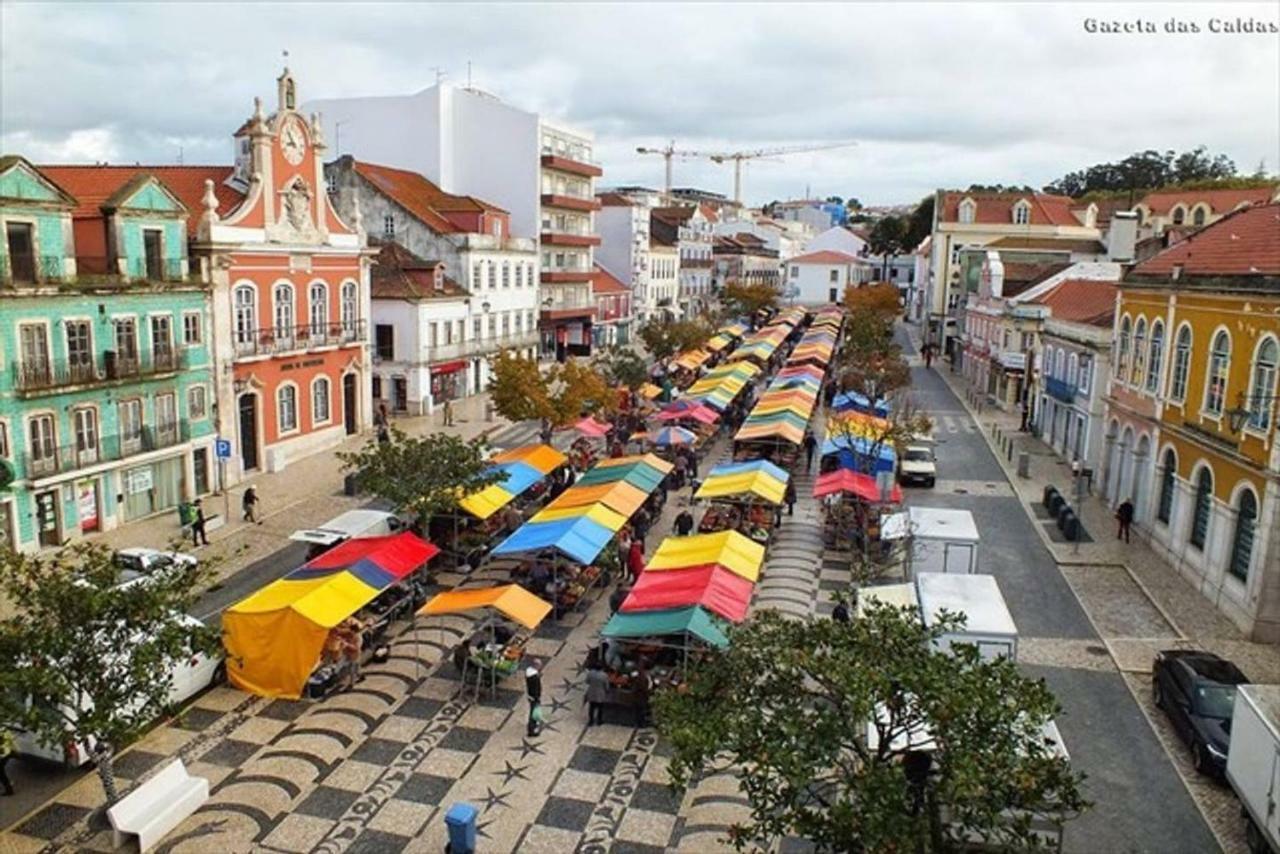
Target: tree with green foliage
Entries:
(920, 223)
(623, 366)
(745, 300)
(815, 718)
(421, 476)
(579, 389)
(518, 388)
(663, 339)
(1144, 171)
(888, 240)
(87, 660)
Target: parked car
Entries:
(1197, 690)
(918, 465)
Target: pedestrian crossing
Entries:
(944, 424)
(515, 435)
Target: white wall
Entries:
(813, 281)
(839, 239)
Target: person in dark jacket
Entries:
(597, 694)
(249, 504)
(198, 536)
(1124, 515)
(684, 523)
(533, 688)
(790, 497)
(617, 597)
(810, 445)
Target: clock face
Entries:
(292, 141)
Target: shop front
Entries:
(448, 381)
(152, 488)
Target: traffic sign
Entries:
(222, 449)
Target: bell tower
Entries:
(286, 88)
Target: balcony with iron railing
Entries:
(65, 459)
(573, 162)
(1060, 389)
(31, 270)
(92, 271)
(275, 341)
(114, 368)
(571, 200)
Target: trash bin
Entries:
(1049, 492)
(349, 485)
(1071, 528)
(1063, 512)
(460, 821)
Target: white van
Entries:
(190, 677)
(347, 526)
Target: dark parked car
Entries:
(1197, 691)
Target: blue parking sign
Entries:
(222, 449)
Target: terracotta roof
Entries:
(1050, 244)
(1219, 201)
(92, 186)
(825, 256)
(418, 195)
(708, 212)
(674, 214)
(604, 283)
(993, 208)
(1082, 301)
(399, 274)
(1243, 243)
(1027, 274)
(614, 200)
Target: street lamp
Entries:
(1238, 415)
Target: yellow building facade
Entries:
(1191, 436)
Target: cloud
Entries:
(936, 94)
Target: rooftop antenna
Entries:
(285, 54)
(179, 155)
(439, 74)
(468, 74)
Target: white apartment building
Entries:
(469, 143)
(626, 249)
(692, 229)
(821, 277)
(664, 279)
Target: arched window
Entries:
(1198, 217)
(318, 304)
(320, 400)
(1215, 384)
(287, 408)
(1179, 215)
(1168, 481)
(1263, 385)
(349, 308)
(967, 208)
(1181, 364)
(1061, 364)
(1203, 508)
(1157, 355)
(1021, 212)
(246, 312)
(1242, 542)
(1139, 351)
(1122, 357)
(282, 297)
(1073, 370)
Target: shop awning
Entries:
(511, 600)
(733, 551)
(692, 621)
(720, 591)
(579, 538)
(275, 636)
(854, 483)
(544, 458)
(759, 478)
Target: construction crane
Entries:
(737, 157)
(667, 153)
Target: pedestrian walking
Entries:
(197, 525)
(448, 413)
(249, 504)
(382, 418)
(644, 688)
(597, 693)
(810, 445)
(635, 560)
(351, 635)
(384, 434)
(790, 497)
(693, 464)
(533, 689)
(1124, 515)
(841, 612)
(7, 749)
(640, 525)
(928, 355)
(684, 523)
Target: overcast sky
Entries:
(935, 94)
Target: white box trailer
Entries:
(352, 524)
(893, 595)
(1253, 763)
(989, 626)
(940, 540)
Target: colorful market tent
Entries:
(852, 400)
(733, 551)
(668, 436)
(759, 478)
(691, 409)
(718, 342)
(590, 427)
(691, 622)
(619, 496)
(736, 329)
(644, 472)
(723, 593)
(274, 637)
(597, 513)
(578, 538)
(518, 469)
(511, 600)
(692, 360)
(854, 483)
(860, 454)
(649, 391)
(544, 458)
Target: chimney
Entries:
(1122, 236)
(993, 270)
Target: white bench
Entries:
(158, 805)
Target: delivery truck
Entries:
(1253, 764)
(988, 624)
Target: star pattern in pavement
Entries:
(557, 705)
(527, 747)
(568, 685)
(494, 799)
(511, 772)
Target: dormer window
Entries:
(1179, 215)
(439, 278)
(1199, 215)
(967, 210)
(1022, 212)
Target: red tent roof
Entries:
(378, 561)
(715, 588)
(861, 485)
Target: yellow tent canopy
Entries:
(597, 513)
(755, 483)
(486, 502)
(544, 458)
(511, 600)
(733, 551)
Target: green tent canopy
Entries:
(675, 621)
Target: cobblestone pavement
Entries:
(1137, 602)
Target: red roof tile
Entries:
(399, 274)
(93, 185)
(993, 208)
(422, 198)
(604, 283)
(1219, 201)
(1243, 243)
(1082, 301)
(825, 256)
(614, 200)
